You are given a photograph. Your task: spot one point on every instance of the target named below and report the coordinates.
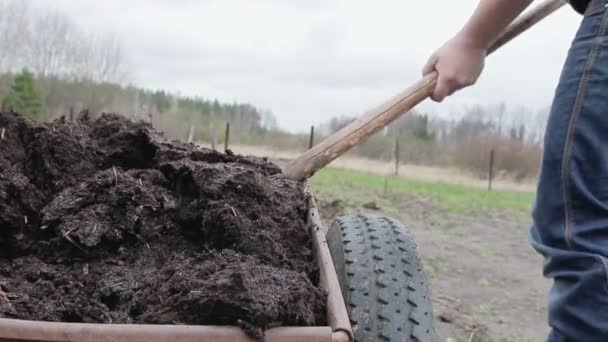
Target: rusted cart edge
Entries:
(337, 316)
(339, 329)
(20, 330)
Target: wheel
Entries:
(382, 281)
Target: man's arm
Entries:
(460, 61)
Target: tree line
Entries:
(464, 139)
(48, 97)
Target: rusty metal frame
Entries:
(339, 329)
(337, 316)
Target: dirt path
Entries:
(484, 275)
(486, 280)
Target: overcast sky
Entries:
(309, 60)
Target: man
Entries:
(570, 216)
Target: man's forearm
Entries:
(490, 18)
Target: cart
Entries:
(369, 268)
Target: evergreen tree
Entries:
(24, 96)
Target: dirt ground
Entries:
(486, 280)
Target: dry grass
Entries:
(515, 158)
(415, 172)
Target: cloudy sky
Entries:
(308, 60)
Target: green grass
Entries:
(355, 188)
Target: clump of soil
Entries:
(104, 221)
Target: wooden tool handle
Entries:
(340, 142)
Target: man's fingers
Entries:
(429, 67)
(442, 90)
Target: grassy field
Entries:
(357, 188)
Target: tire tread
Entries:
(382, 280)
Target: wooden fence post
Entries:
(191, 134)
(311, 142)
(491, 170)
(213, 135)
(71, 115)
(227, 136)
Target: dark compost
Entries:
(104, 221)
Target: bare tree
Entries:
(268, 121)
(106, 60)
(501, 109)
(519, 120)
(49, 44)
(537, 131)
(474, 123)
(14, 34)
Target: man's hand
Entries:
(459, 62)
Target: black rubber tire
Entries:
(382, 280)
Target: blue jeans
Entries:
(571, 212)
